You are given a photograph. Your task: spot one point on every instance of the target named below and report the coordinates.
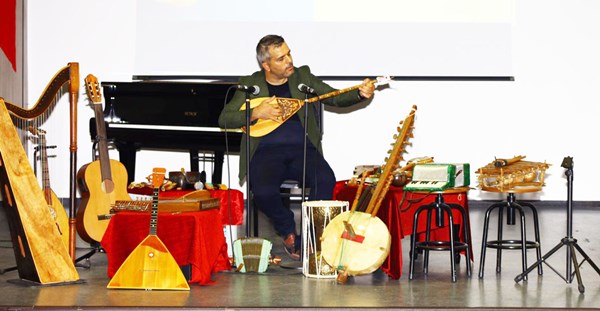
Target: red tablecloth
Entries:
(193, 238)
(397, 211)
(231, 214)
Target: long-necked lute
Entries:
(55, 207)
(290, 106)
(150, 265)
(357, 242)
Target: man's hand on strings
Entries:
(269, 109)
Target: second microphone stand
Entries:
(251, 212)
(568, 241)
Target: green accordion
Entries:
(438, 177)
(252, 254)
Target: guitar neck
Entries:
(335, 93)
(45, 170)
(102, 143)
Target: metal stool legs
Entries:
(453, 245)
(523, 244)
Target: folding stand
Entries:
(568, 241)
(96, 248)
(4, 270)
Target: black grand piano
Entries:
(169, 116)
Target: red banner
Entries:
(8, 30)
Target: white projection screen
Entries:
(424, 38)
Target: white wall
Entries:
(470, 37)
(547, 113)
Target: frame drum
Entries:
(316, 215)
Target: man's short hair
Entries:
(262, 48)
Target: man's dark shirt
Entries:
(291, 131)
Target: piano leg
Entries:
(218, 171)
(127, 153)
(217, 160)
(194, 166)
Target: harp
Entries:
(40, 254)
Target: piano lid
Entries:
(165, 103)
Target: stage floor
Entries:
(287, 288)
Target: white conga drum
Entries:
(316, 215)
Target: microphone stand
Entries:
(251, 213)
(304, 149)
(568, 241)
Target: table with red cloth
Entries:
(231, 201)
(193, 238)
(397, 212)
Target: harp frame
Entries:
(67, 77)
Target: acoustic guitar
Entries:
(150, 265)
(290, 106)
(101, 182)
(57, 210)
(357, 242)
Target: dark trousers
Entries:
(271, 165)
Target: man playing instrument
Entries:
(279, 155)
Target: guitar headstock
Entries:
(382, 80)
(158, 177)
(93, 89)
(401, 140)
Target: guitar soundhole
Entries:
(108, 186)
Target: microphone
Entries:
(306, 89)
(254, 90)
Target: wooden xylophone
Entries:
(514, 174)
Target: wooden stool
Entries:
(292, 189)
(523, 244)
(442, 210)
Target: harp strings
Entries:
(38, 114)
(24, 118)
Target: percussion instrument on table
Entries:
(316, 215)
(503, 175)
